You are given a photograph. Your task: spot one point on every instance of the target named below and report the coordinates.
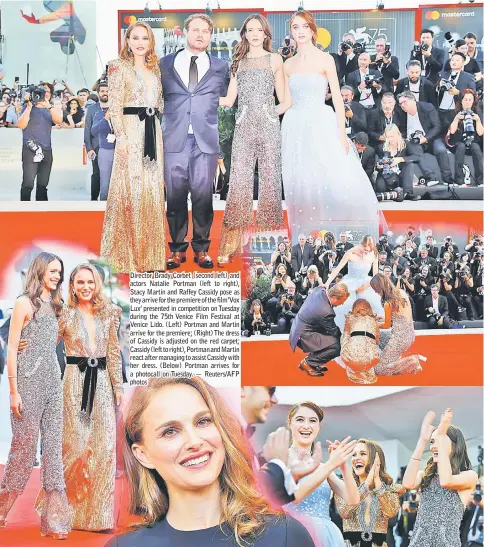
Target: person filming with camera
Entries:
(422, 280)
(465, 135)
(470, 64)
(257, 321)
(289, 304)
(36, 120)
(437, 310)
(396, 165)
(367, 82)
(386, 63)
(431, 58)
(355, 114)
(463, 286)
(347, 57)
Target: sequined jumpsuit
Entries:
(439, 517)
(39, 386)
(257, 139)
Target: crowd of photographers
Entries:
(445, 283)
(39, 109)
(405, 125)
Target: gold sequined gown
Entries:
(257, 139)
(89, 441)
(133, 236)
(360, 353)
(370, 517)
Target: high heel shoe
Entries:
(422, 358)
(54, 535)
(223, 260)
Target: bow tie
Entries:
(249, 431)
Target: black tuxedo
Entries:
(434, 63)
(377, 124)
(427, 92)
(345, 68)
(434, 251)
(354, 80)
(315, 331)
(390, 71)
(358, 122)
(429, 261)
(300, 258)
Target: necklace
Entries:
(301, 451)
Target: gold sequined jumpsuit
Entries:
(39, 385)
(133, 236)
(257, 139)
(89, 442)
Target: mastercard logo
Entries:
(432, 15)
(129, 19)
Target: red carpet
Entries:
(453, 360)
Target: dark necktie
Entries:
(193, 74)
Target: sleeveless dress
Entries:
(257, 139)
(39, 386)
(313, 512)
(324, 187)
(356, 277)
(439, 517)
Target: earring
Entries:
(129, 49)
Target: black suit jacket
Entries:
(354, 80)
(91, 141)
(465, 81)
(271, 480)
(390, 71)
(359, 121)
(427, 90)
(368, 161)
(343, 68)
(443, 304)
(316, 317)
(429, 119)
(377, 124)
(299, 258)
(434, 63)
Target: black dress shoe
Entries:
(411, 197)
(203, 260)
(175, 260)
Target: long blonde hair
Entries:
(100, 302)
(34, 282)
(152, 59)
(242, 48)
(243, 509)
(401, 141)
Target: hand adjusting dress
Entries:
(134, 224)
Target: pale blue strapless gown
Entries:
(313, 511)
(356, 277)
(324, 187)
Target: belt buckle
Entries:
(92, 362)
(150, 111)
(366, 536)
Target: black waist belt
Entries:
(363, 333)
(365, 539)
(149, 115)
(89, 365)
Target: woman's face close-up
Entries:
(255, 33)
(301, 31)
(52, 275)
(445, 446)
(84, 285)
(305, 427)
(139, 41)
(181, 441)
(467, 101)
(360, 459)
(256, 308)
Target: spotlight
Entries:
(208, 9)
(380, 5)
(301, 6)
(471, 1)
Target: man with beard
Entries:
(91, 141)
(422, 89)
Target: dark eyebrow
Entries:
(171, 423)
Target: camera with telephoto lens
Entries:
(340, 249)
(415, 136)
(385, 163)
(370, 78)
(468, 135)
(462, 270)
(448, 83)
(346, 45)
(36, 92)
(286, 48)
(477, 494)
(418, 47)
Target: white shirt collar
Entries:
(191, 54)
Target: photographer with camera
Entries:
(347, 58)
(475, 245)
(406, 283)
(329, 260)
(395, 165)
(407, 517)
(257, 321)
(367, 82)
(382, 261)
(398, 262)
(421, 128)
(470, 64)
(286, 51)
(422, 281)
(386, 63)
(449, 246)
(302, 256)
(473, 51)
(410, 250)
(311, 281)
(472, 521)
(282, 255)
(477, 270)
(424, 259)
(465, 135)
(463, 286)
(287, 308)
(422, 89)
(355, 115)
(433, 250)
(366, 154)
(445, 264)
(279, 284)
(36, 119)
(431, 58)
(380, 119)
(437, 309)
(383, 245)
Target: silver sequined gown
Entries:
(257, 139)
(324, 187)
(439, 517)
(39, 385)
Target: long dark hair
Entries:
(459, 459)
(462, 94)
(242, 48)
(388, 292)
(308, 404)
(373, 450)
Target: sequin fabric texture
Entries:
(134, 224)
(357, 517)
(39, 385)
(89, 441)
(257, 139)
(439, 517)
(360, 353)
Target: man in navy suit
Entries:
(193, 82)
(431, 58)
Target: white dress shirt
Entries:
(182, 66)
(413, 124)
(435, 304)
(366, 97)
(448, 101)
(415, 89)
